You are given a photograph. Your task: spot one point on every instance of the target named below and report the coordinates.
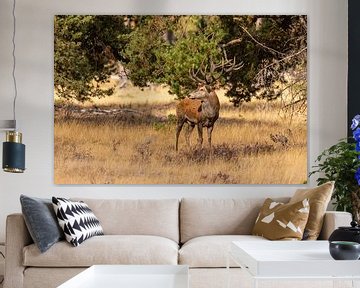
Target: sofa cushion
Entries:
(201, 217)
(319, 198)
(41, 221)
(77, 220)
(107, 249)
(279, 221)
(158, 217)
(211, 251)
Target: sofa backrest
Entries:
(159, 217)
(200, 217)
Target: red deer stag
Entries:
(202, 106)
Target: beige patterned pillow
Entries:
(319, 198)
(279, 221)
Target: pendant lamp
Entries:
(13, 159)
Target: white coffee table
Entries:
(131, 276)
(293, 260)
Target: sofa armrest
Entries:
(17, 237)
(333, 220)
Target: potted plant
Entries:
(341, 163)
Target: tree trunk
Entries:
(355, 201)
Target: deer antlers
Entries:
(207, 72)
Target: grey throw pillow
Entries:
(41, 221)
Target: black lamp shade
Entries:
(13, 157)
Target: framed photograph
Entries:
(180, 99)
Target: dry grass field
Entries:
(129, 138)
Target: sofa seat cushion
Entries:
(159, 217)
(206, 217)
(107, 249)
(211, 251)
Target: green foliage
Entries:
(190, 52)
(339, 163)
(141, 51)
(273, 50)
(84, 46)
(153, 59)
(163, 49)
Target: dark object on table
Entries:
(344, 250)
(345, 233)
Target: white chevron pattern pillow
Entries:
(77, 220)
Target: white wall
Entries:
(327, 89)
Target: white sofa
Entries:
(194, 232)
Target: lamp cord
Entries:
(14, 61)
